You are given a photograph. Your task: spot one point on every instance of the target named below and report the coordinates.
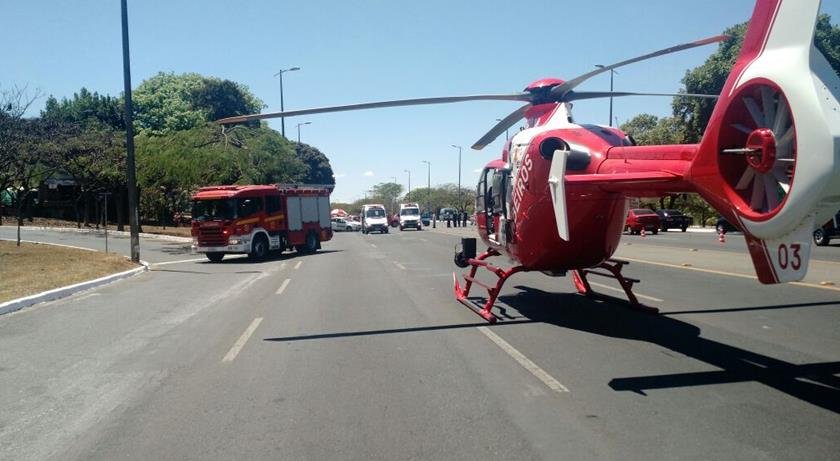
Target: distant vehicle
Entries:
(257, 219)
(426, 219)
(410, 216)
(447, 213)
(673, 219)
(374, 219)
(642, 218)
(829, 230)
(723, 226)
(344, 225)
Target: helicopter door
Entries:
(498, 194)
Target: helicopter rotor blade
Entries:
(379, 104)
(500, 127)
(558, 91)
(576, 95)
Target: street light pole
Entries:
(298, 128)
(133, 208)
(409, 185)
(283, 119)
(460, 200)
(612, 72)
(428, 185)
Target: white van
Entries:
(374, 218)
(410, 216)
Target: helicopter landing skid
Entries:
(613, 268)
(461, 294)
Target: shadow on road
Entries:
(815, 383)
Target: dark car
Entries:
(829, 230)
(723, 226)
(642, 218)
(426, 219)
(674, 219)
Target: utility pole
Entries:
(133, 208)
(460, 200)
(612, 72)
(283, 119)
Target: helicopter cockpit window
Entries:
(498, 188)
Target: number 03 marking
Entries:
(790, 256)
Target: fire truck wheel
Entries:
(259, 249)
(215, 257)
(311, 243)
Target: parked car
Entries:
(344, 225)
(673, 219)
(447, 213)
(426, 219)
(723, 226)
(828, 231)
(642, 218)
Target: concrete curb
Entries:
(62, 292)
(171, 238)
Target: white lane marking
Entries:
(399, 265)
(283, 286)
(240, 343)
(373, 245)
(424, 240)
(526, 363)
(283, 265)
(298, 264)
(178, 262)
(87, 296)
(638, 295)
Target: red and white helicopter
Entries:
(769, 161)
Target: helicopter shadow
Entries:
(814, 383)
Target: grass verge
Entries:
(183, 231)
(33, 268)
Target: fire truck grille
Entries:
(211, 237)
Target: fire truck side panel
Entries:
(324, 211)
(295, 222)
(309, 209)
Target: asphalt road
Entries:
(360, 352)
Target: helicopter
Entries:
(556, 200)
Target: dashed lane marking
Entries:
(638, 295)
(166, 263)
(283, 286)
(399, 265)
(297, 265)
(282, 265)
(526, 363)
(373, 245)
(240, 343)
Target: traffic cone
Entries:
(722, 238)
(643, 232)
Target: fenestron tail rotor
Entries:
(761, 168)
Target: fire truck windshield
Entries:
(208, 210)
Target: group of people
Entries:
(457, 219)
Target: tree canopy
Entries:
(168, 102)
(318, 169)
(86, 108)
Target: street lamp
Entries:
(612, 72)
(298, 128)
(409, 185)
(131, 179)
(428, 185)
(282, 119)
(507, 137)
(460, 200)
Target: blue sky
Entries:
(369, 50)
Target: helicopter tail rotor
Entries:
(770, 158)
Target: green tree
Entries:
(318, 169)
(170, 168)
(647, 129)
(709, 78)
(168, 102)
(88, 109)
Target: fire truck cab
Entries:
(255, 220)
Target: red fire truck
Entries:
(257, 219)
